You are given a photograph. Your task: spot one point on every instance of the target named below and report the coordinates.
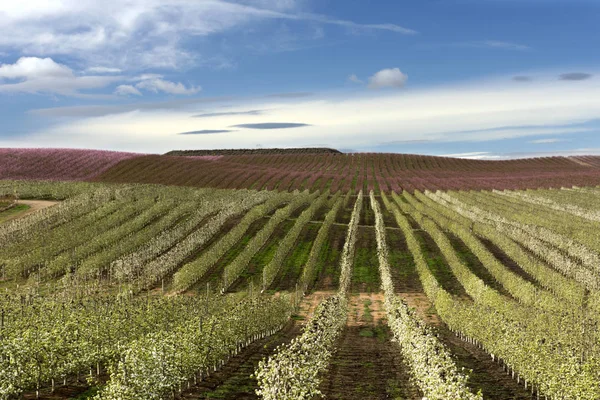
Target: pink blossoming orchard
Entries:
(298, 274)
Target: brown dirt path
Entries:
(34, 205)
(367, 364)
(422, 306)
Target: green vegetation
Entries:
(82, 289)
(12, 212)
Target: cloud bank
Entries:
(475, 111)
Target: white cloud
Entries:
(126, 90)
(144, 77)
(353, 78)
(104, 70)
(44, 75)
(545, 141)
(33, 67)
(138, 34)
(391, 77)
(160, 85)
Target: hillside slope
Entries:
(299, 169)
(357, 171)
(57, 164)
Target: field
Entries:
(299, 275)
(302, 169)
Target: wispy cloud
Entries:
(206, 132)
(511, 132)
(271, 125)
(290, 95)
(546, 141)
(496, 44)
(475, 155)
(101, 111)
(160, 85)
(489, 155)
(575, 76)
(127, 90)
(354, 79)
(229, 114)
(356, 26)
(141, 34)
(104, 70)
(522, 78)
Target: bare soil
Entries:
(33, 206)
(422, 306)
(367, 364)
(309, 303)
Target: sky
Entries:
(483, 79)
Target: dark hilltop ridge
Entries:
(301, 168)
(236, 152)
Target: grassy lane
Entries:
(294, 263)
(437, 265)
(365, 274)
(328, 275)
(13, 212)
(253, 272)
(402, 265)
(214, 276)
(367, 217)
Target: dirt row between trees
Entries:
(32, 206)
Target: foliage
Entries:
(287, 242)
(158, 364)
(430, 362)
(237, 266)
(294, 371)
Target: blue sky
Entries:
(471, 78)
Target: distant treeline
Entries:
(237, 152)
